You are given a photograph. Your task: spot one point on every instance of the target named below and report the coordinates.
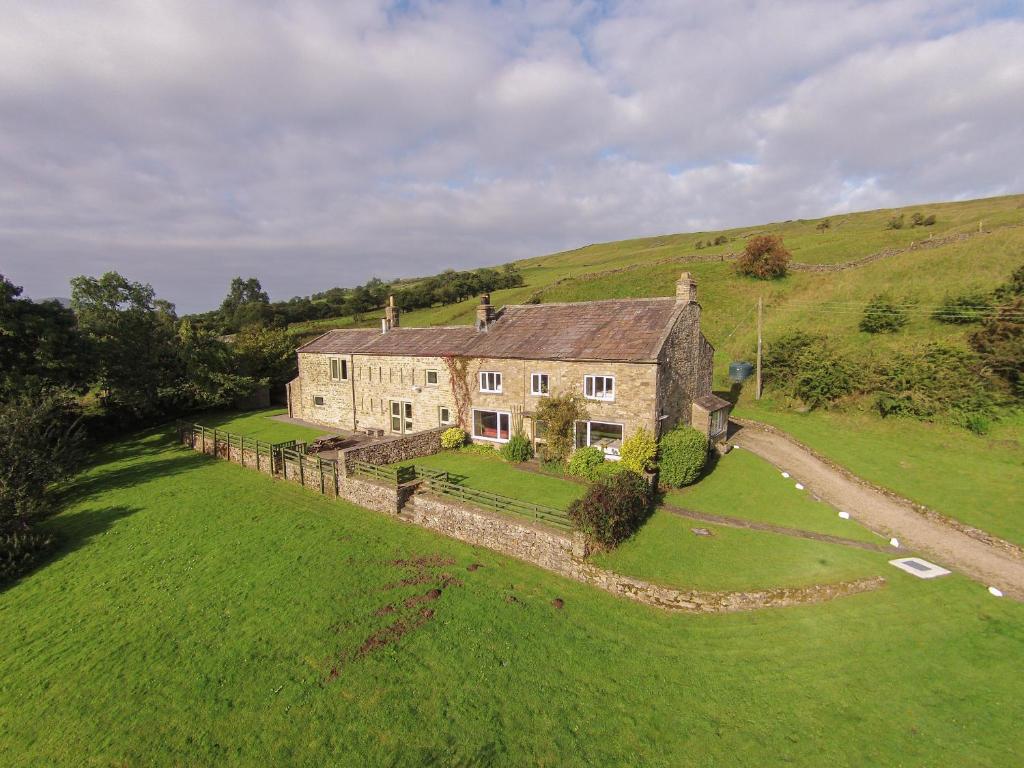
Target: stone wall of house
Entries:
(377, 380)
(391, 449)
(314, 380)
(685, 369)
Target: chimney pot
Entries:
(686, 289)
(484, 313)
(391, 313)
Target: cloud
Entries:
(314, 144)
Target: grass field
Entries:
(258, 425)
(201, 614)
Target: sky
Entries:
(314, 144)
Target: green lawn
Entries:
(979, 480)
(202, 614)
(746, 486)
(666, 551)
(258, 425)
(493, 474)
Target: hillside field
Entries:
(198, 613)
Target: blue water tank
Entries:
(740, 371)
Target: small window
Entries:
(318, 400)
(490, 381)
(445, 414)
(339, 369)
(396, 416)
(431, 378)
(599, 387)
(539, 384)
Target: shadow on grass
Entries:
(88, 485)
(71, 532)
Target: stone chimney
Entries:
(484, 313)
(686, 289)
(391, 313)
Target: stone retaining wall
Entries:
(560, 553)
(392, 449)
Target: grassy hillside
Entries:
(831, 304)
(202, 614)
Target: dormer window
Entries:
(599, 387)
(490, 381)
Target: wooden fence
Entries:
(290, 461)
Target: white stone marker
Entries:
(799, 486)
(995, 591)
(894, 543)
(785, 474)
(844, 515)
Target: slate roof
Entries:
(711, 403)
(626, 330)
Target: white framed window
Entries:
(491, 425)
(339, 369)
(607, 437)
(401, 416)
(719, 422)
(318, 400)
(431, 378)
(539, 384)
(599, 387)
(444, 414)
(490, 381)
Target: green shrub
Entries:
(1000, 345)
(453, 438)
(639, 451)
(824, 379)
(518, 449)
(721, 240)
(19, 550)
(881, 315)
(805, 367)
(937, 382)
(920, 220)
(612, 509)
(480, 450)
(764, 257)
(895, 222)
(683, 451)
(584, 461)
(607, 470)
(964, 309)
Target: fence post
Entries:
(320, 469)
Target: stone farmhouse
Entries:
(637, 362)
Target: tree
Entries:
(132, 335)
(246, 304)
(263, 353)
(40, 345)
(41, 443)
(764, 257)
(206, 375)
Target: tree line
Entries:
(247, 304)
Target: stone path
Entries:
(885, 513)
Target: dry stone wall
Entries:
(392, 449)
(560, 552)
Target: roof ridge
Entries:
(591, 301)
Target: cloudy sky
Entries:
(314, 144)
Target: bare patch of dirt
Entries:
(474, 567)
(559, 603)
(511, 599)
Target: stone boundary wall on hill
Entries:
(937, 517)
(393, 449)
(562, 554)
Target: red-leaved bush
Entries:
(764, 257)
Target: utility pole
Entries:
(760, 311)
